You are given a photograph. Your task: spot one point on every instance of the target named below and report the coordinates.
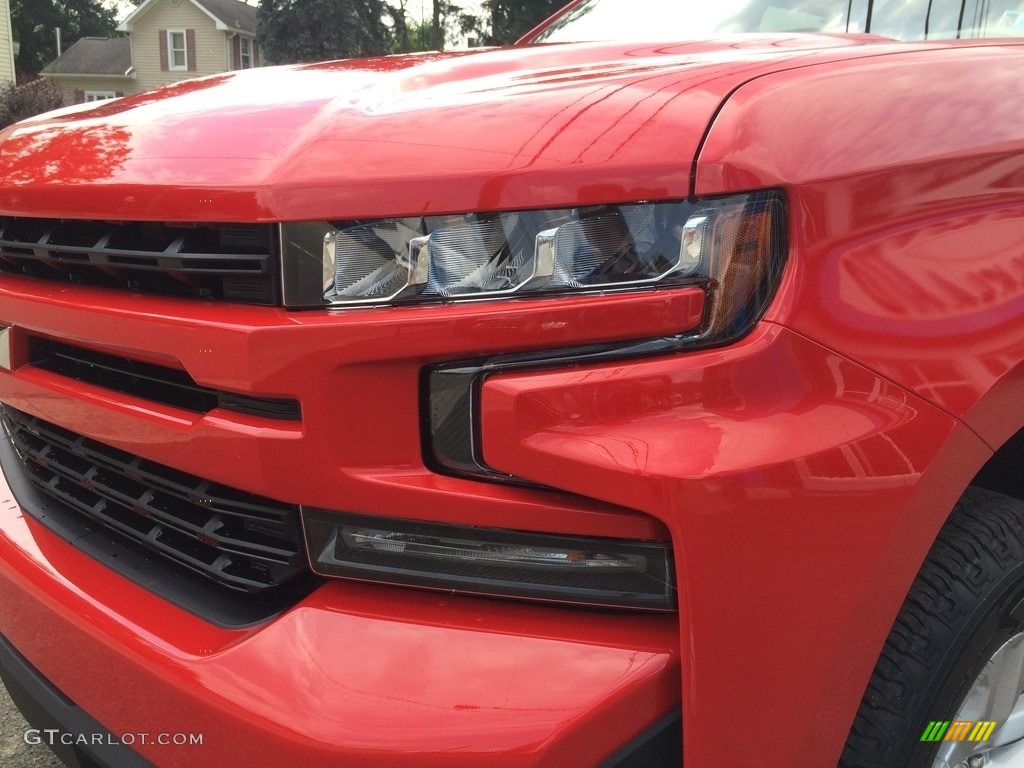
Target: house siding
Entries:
(74, 88)
(6, 44)
(210, 44)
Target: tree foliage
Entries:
(418, 36)
(446, 24)
(20, 101)
(34, 22)
(294, 31)
(511, 19)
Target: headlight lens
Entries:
(484, 255)
(576, 569)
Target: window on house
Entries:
(176, 56)
(245, 53)
(99, 95)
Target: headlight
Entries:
(576, 569)
(531, 253)
(732, 247)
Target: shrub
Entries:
(20, 101)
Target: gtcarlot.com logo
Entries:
(959, 730)
(54, 736)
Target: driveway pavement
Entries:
(14, 752)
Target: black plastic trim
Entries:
(660, 746)
(148, 381)
(45, 707)
(463, 380)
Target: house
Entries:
(168, 41)
(94, 68)
(6, 44)
(176, 39)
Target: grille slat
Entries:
(167, 508)
(243, 541)
(205, 261)
(148, 381)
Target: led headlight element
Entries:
(484, 255)
(575, 569)
(376, 263)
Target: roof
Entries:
(94, 56)
(227, 15)
(233, 13)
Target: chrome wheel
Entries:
(996, 695)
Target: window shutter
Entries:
(190, 49)
(79, 96)
(119, 94)
(236, 52)
(255, 54)
(162, 34)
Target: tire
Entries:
(966, 605)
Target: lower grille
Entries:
(239, 540)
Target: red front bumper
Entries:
(353, 675)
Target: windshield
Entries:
(659, 20)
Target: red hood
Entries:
(521, 127)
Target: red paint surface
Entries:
(801, 473)
(551, 126)
(906, 222)
(801, 491)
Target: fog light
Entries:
(575, 569)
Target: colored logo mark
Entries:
(959, 730)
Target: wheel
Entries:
(955, 654)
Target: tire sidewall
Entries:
(996, 619)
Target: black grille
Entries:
(158, 383)
(225, 262)
(240, 540)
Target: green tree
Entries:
(445, 25)
(34, 23)
(449, 21)
(401, 31)
(419, 36)
(294, 31)
(511, 19)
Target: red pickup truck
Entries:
(649, 392)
